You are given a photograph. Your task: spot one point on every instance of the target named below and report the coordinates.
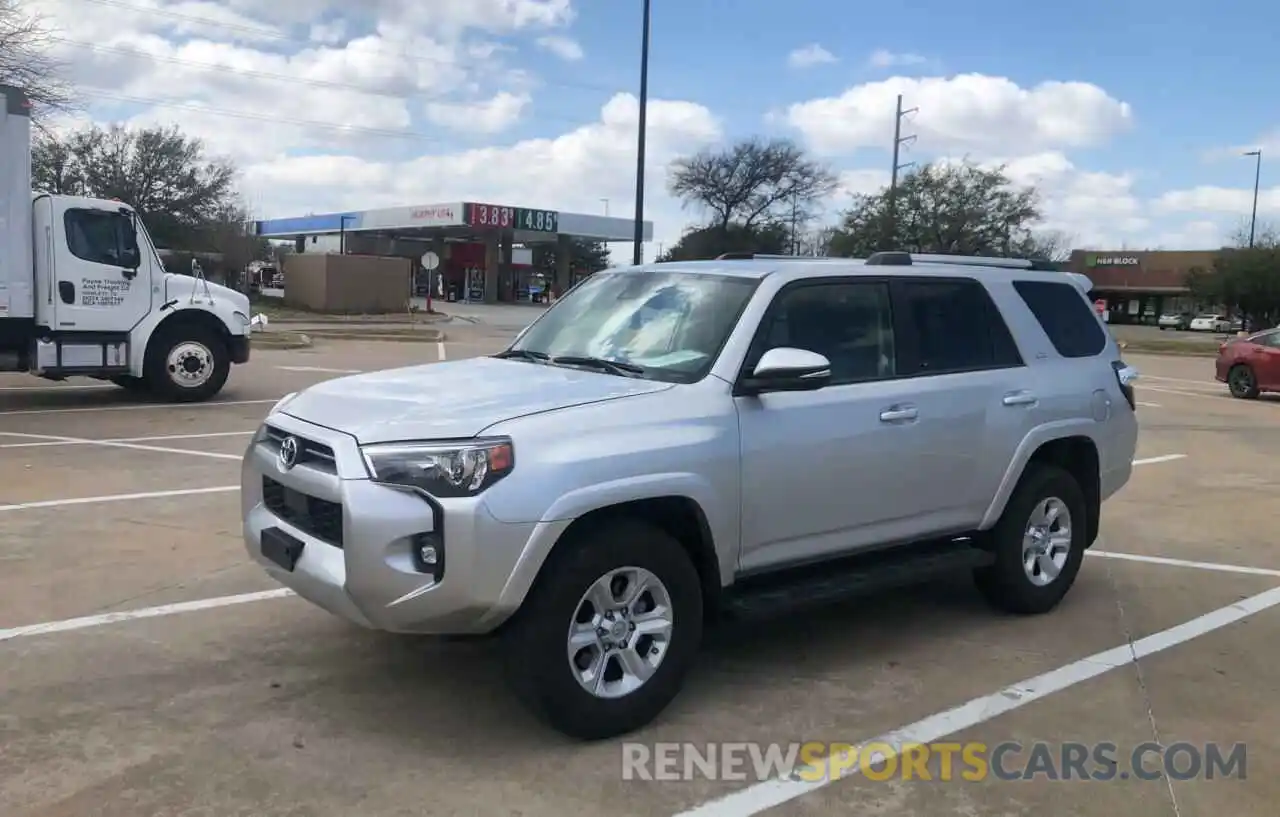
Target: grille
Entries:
(310, 452)
(318, 517)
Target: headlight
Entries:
(442, 469)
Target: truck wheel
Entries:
(1038, 543)
(1242, 383)
(611, 628)
(187, 364)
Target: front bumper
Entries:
(357, 560)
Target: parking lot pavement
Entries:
(243, 704)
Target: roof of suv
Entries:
(928, 265)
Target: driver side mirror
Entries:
(788, 369)
(131, 255)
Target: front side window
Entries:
(101, 237)
(850, 324)
(663, 325)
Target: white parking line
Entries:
(1162, 560)
(133, 615)
(48, 443)
(1148, 405)
(1209, 395)
(91, 500)
(140, 407)
(1164, 458)
(131, 446)
(317, 369)
(75, 387)
(772, 793)
(1205, 383)
(440, 355)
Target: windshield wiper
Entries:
(610, 366)
(523, 354)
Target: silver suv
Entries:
(675, 443)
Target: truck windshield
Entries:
(661, 325)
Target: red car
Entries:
(1250, 366)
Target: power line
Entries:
(317, 83)
(273, 118)
(361, 48)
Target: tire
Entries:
(179, 346)
(536, 644)
(1242, 382)
(1007, 584)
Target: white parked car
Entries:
(1210, 323)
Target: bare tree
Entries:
(26, 60)
(752, 183)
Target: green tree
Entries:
(754, 184)
(26, 61)
(585, 256)
(959, 209)
(1242, 278)
(708, 242)
(165, 175)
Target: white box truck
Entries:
(83, 292)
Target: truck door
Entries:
(101, 282)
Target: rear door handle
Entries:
(1019, 398)
(899, 414)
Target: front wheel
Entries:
(1242, 382)
(187, 364)
(605, 639)
(1038, 543)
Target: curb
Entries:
(413, 336)
(290, 340)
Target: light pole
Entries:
(1257, 177)
(637, 253)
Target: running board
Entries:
(823, 583)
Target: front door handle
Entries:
(899, 414)
(1019, 398)
(129, 274)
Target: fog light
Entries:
(428, 554)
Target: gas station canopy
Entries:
(525, 225)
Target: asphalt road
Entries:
(113, 703)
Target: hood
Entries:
(453, 400)
(182, 286)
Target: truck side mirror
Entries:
(132, 255)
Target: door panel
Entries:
(96, 288)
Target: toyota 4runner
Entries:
(677, 442)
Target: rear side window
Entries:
(1065, 317)
(952, 326)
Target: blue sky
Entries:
(528, 101)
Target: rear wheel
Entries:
(1242, 382)
(187, 364)
(1038, 543)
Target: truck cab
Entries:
(83, 291)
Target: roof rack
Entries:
(749, 256)
(899, 258)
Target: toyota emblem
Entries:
(288, 453)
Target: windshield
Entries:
(662, 325)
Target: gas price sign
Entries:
(496, 216)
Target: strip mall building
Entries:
(1137, 286)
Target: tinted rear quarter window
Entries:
(1066, 318)
(953, 326)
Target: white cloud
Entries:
(487, 117)
(962, 114)
(810, 55)
(565, 48)
(880, 58)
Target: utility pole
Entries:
(898, 141)
(795, 240)
(637, 256)
(1257, 177)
